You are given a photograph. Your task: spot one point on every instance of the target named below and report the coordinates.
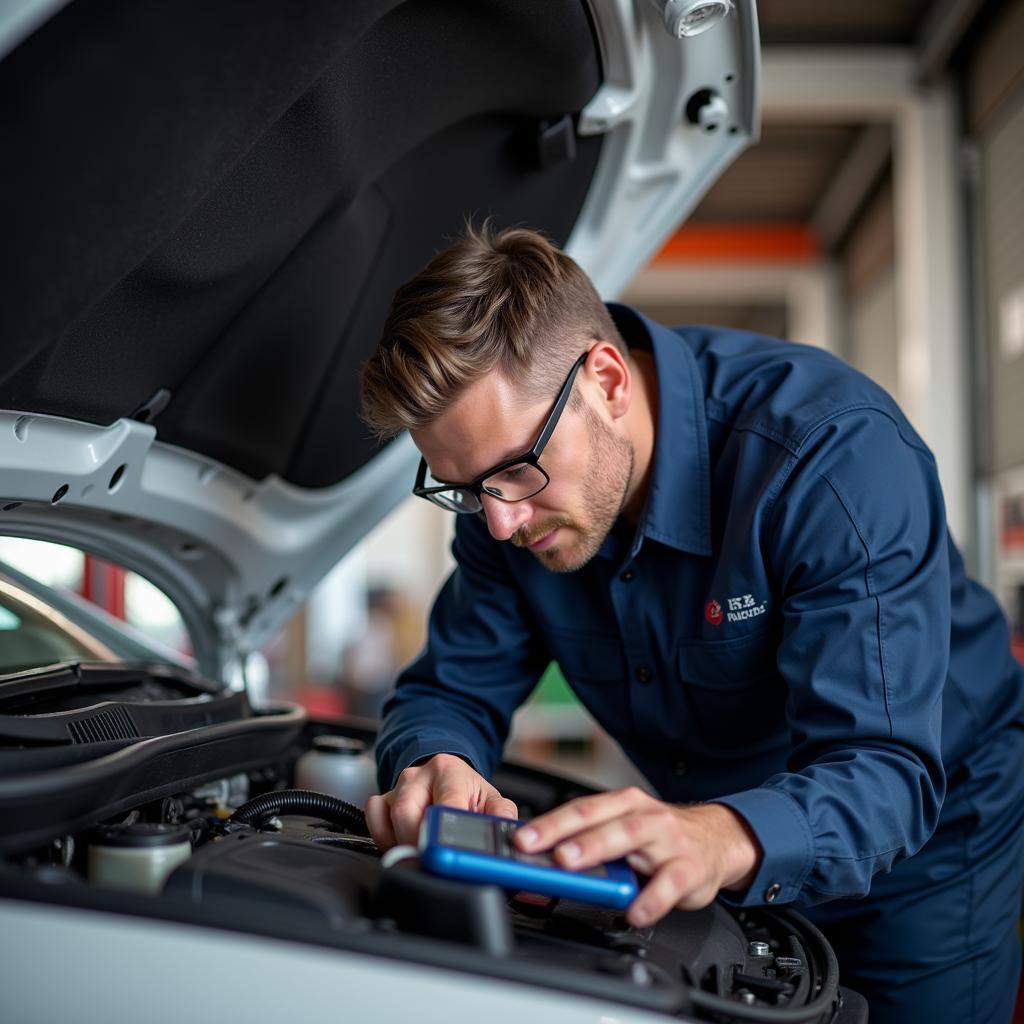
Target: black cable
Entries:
(301, 801)
(812, 1012)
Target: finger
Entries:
(654, 832)
(675, 883)
(407, 808)
(497, 805)
(659, 896)
(577, 815)
(378, 821)
(641, 863)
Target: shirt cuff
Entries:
(782, 829)
(391, 765)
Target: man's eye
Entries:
(508, 476)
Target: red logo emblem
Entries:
(713, 613)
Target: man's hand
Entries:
(395, 817)
(689, 853)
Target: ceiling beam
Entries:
(836, 85)
(943, 27)
(852, 183)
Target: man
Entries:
(736, 550)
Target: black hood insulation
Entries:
(217, 201)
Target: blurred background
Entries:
(881, 217)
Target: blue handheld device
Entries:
(478, 848)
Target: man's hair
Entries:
(506, 301)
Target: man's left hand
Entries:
(688, 852)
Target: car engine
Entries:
(141, 790)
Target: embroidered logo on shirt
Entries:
(739, 608)
(744, 607)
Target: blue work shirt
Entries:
(788, 631)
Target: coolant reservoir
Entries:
(339, 766)
(139, 857)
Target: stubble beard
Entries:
(608, 479)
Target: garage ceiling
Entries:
(824, 23)
(784, 178)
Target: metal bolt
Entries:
(640, 975)
(748, 997)
(759, 949)
(713, 113)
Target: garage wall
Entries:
(1001, 149)
(993, 79)
(868, 259)
(762, 318)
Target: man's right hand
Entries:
(395, 817)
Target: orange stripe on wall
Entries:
(741, 243)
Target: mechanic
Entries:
(736, 550)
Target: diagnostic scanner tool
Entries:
(478, 848)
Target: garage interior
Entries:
(880, 216)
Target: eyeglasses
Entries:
(513, 480)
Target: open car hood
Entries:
(207, 209)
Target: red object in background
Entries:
(741, 243)
(326, 701)
(1013, 522)
(1017, 647)
(103, 584)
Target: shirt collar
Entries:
(678, 508)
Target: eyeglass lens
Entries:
(513, 483)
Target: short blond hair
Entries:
(507, 301)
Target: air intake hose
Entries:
(301, 801)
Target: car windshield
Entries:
(33, 634)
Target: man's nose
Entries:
(504, 517)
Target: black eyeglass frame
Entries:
(531, 457)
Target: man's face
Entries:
(589, 463)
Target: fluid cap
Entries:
(142, 834)
(344, 746)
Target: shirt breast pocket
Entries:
(584, 656)
(737, 697)
(593, 665)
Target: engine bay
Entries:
(200, 824)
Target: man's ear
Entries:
(607, 366)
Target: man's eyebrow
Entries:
(513, 453)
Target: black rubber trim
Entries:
(125, 720)
(93, 675)
(38, 807)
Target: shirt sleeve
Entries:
(857, 545)
(482, 659)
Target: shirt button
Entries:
(643, 674)
(771, 892)
(627, 575)
(680, 768)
